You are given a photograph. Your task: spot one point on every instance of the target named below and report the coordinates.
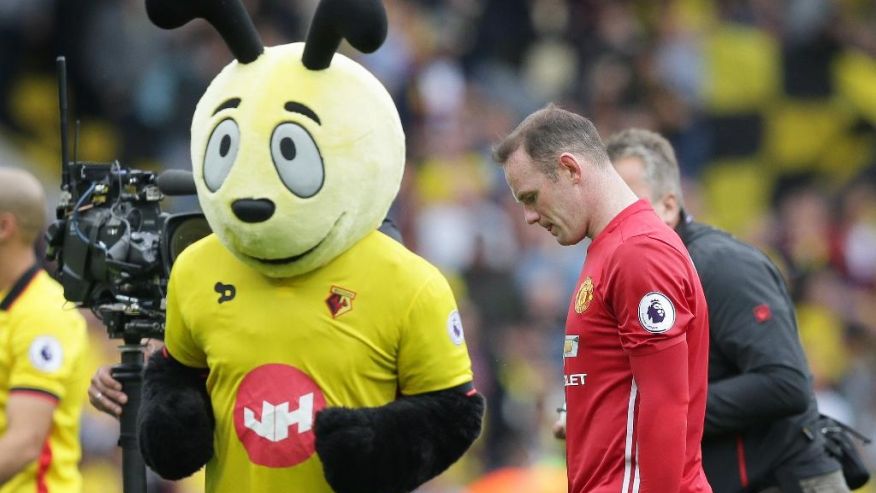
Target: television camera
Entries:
(114, 248)
(113, 244)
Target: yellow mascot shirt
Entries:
(42, 343)
(376, 322)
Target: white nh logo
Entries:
(276, 420)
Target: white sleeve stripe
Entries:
(636, 474)
(628, 446)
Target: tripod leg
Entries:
(130, 374)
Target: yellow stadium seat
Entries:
(695, 15)
(821, 333)
(798, 133)
(855, 77)
(848, 154)
(736, 193)
(441, 179)
(742, 67)
(33, 101)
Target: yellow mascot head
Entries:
(297, 151)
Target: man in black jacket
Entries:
(760, 404)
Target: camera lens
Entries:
(186, 232)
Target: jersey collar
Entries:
(637, 206)
(19, 287)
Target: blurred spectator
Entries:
(43, 345)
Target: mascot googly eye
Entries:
(305, 349)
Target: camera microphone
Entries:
(176, 182)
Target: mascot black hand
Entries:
(399, 446)
(175, 422)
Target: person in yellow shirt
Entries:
(42, 340)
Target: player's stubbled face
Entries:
(545, 200)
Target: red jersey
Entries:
(636, 362)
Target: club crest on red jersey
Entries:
(274, 413)
(584, 296)
(656, 312)
(340, 301)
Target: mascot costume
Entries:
(306, 351)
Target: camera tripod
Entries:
(130, 374)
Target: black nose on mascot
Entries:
(253, 210)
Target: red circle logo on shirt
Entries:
(274, 415)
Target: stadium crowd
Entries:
(771, 106)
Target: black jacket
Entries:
(760, 389)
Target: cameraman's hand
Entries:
(105, 392)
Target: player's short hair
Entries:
(549, 132)
(656, 155)
(21, 195)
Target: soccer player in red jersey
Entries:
(636, 346)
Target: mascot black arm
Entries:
(399, 446)
(175, 422)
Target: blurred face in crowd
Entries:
(552, 202)
(632, 170)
